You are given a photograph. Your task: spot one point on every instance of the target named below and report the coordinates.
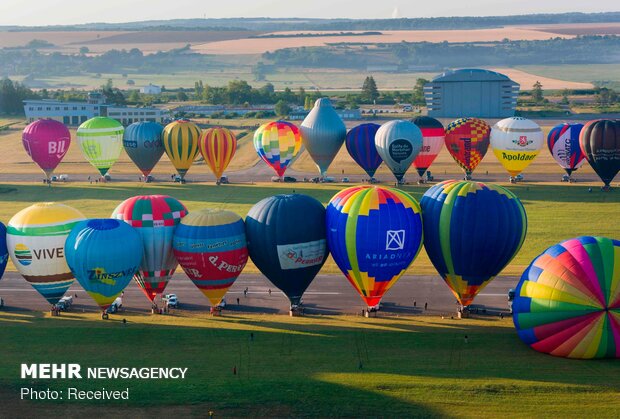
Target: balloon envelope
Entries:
(218, 146)
(433, 137)
(286, 241)
(374, 234)
(36, 240)
(471, 232)
(568, 300)
(360, 142)
(398, 143)
(143, 144)
(155, 217)
(211, 247)
(4, 252)
(103, 254)
(516, 142)
(46, 141)
(467, 141)
(600, 142)
(563, 143)
(323, 133)
(101, 141)
(181, 139)
(277, 143)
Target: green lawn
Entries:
(576, 72)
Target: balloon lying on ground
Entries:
(600, 142)
(471, 232)
(211, 247)
(142, 143)
(567, 302)
(36, 241)
(433, 138)
(46, 141)
(563, 144)
(322, 133)
(218, 146)
(374, 234)
(467, 141)
(277, 143)
(286, 241)
(155, 217)
(101, 141)
(103, 255)
(181, 139)
(516, 142)
(4, 252)
(360, 142)
(398, 143)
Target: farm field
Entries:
(576, 72)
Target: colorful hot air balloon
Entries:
(46, 141)
(211, 248)
(600, 142)
(181, 139)
(277, 143)
(398, 143)
(433, 137)
(104, 255)
(218, 146)
(155, 217)
(286, 241)
(4, 252)
(471, 232)
(143, 144)
(374, 234)
(101, 141)
(563, 143)
(568, 300)
(360, 142)
(36, 240)
(323, 133)
(516, 142)
(467, 140)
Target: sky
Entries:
(55, 12)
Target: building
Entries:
(471, 92)
(151, 89)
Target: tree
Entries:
(238, 91)
(198, 88)
(418, 92)
(84, 50)
(537, 92)
(370, 93)
(182, 96)
(282, 108)
(564, 100)
(134, 97)
(308, 103)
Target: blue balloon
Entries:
(103, 255)
(360, 144)
(143, 144)
(4, 252)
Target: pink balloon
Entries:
(46, 141)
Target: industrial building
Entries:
(471, 92)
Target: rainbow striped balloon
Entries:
(277, 143)
(568, 300)
(218, 146)
(181, 140)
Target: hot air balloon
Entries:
(398, 144)
(217, 146)
(516, 142)
(360, 142)
(143, 144)
(36, 240)
(600, 142)
(467, 140)
(568, 300)
(433, 137)
(286, 241)
(101, 141)
(211, 247)
(46, 141)
(155, 217)
(4, 252)
(471, 232)
(277, 143)
(181, 139)
(374, 234)
(103, 255)
(323, 133)
(563, 143)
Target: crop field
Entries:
(576, 72)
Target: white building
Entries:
(151, 89)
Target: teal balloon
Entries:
(142, 143)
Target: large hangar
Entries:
(471, 92)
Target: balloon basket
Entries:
(105, 316)
(296, 311)
(215, 311)
(463, 313)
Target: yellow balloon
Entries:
(516, 142)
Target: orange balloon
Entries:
(218, 146)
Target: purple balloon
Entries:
(46, 141)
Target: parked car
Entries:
(275, 178)
(63, 178)
(115, 306)
(224, 180)
(345, 180)
(511, 297)
(290, 179)
(328, 179)
(171, 300)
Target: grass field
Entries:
(576, 72)
(305, 367)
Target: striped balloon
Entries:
(36, 240)
(218, 146)
(277, 143)
(568, 300)
(563, 143)
(433, 137)
(101, 141)
(360, 143)
(181, 139)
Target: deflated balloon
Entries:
(516, 142)
(181, 139)
(4, 252)
(467, 141)
(374, 234)
(101, 141)
(143, 144)
(211, 247)
(600, 142)
(218, 146)
(433, 137)
(471, 232)
(36, 240)
(286, 241)
(277, 143)
(563, 143)
(360, 142)
(398, 143)
(103, 255)
(46, 141)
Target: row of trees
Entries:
(11, 96)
